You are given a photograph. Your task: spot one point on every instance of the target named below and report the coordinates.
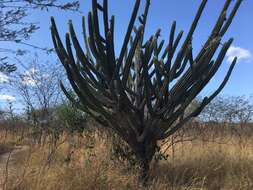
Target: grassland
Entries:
(209, 162)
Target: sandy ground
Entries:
(7, 166)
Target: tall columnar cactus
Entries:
(141, 94)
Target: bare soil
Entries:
(7, 164)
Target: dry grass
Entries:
(193, 165)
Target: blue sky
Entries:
(162, 13)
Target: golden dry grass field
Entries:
(85, 163)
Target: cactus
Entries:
(143, 93)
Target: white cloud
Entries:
(31, 72)
(46, 76)
(33, 77)
(241, 54)
(3, 78)
(29, 81)
(4, 97)
(28, 77)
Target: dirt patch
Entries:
(5, 148)
(7, 166)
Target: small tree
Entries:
(38, 89)
(72, 119)
(141, 94)
(228, 109)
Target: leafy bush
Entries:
(71, 118)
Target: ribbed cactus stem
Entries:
(143, 93)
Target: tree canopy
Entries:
(14, 28)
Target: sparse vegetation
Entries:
(203, 163)
(137, 120)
